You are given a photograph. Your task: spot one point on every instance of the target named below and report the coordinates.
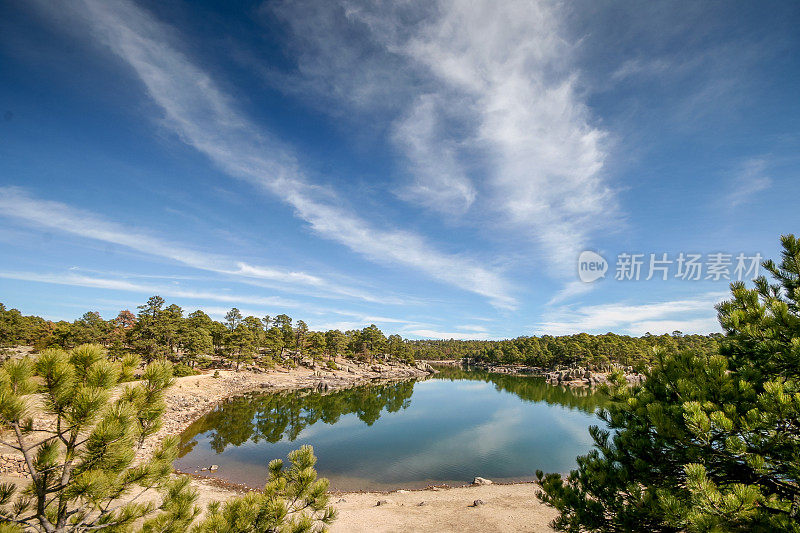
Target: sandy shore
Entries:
(505, 508)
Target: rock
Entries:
(341, 500)
(476, 503)
(402, 491)
(481, 481)
(420, 504)
(214, 468)
(383, 502)
(425, 367)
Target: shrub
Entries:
(182, 370)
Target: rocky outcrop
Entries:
(570, 377)
(590, 378)
(425, 367)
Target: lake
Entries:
(446, 429)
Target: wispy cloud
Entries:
(56, 216)
(426, 333)
(246, 303)
(207, 119)
(691, 315)
(544, 162)
(570, 290)
(78, 280)
(473, 85)
(750, 179)
(439, 180)
(473, 327)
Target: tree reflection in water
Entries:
(284, 415)
(531, 389)
(273, 417)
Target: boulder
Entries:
(476, 503)
(481, 481)
(214, 468)
(383, 502)
(425, 367)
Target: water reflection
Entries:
(529, 388)
(447, 429)
(284, 415)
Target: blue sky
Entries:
(435, 168)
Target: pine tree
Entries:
(710, 442)
(293, 500)
(82, 473)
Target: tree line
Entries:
(571, 350)
(161, 331)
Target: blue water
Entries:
(447, 429)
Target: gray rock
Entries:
(383, 502)
(476, 503)
(481, 481)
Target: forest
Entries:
(160, 331)
(569, 350)
(195, 340)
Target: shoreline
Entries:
(506, 506)
(187, 401)
(511, 506)
(577, 377)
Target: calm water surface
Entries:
(446, 429)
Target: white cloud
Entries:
(435, 334)
(265, 305)
(750, 180)
(473, 327)
(150, 289)
(206, 119)
(695, 325)
(16, 203)
(439, 180)
(545, 156)
(570, 290)
(489, 82)
(691, 315)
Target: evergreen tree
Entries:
(708, 442)
(293, 500)
(82, 472)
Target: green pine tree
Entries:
(83, 476)
(294, 500)
(710, 442)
